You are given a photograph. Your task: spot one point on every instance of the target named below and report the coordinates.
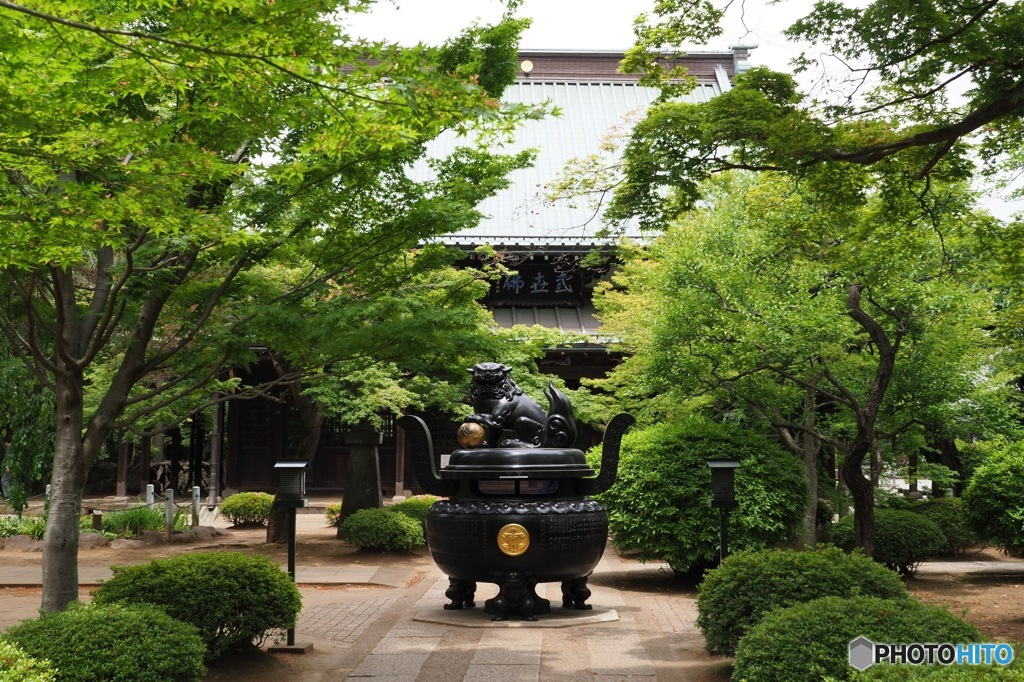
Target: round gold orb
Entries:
(471, 435)
(513, 539)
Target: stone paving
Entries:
(342, 623)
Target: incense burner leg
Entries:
(461, 593)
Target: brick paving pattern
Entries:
(343, 622)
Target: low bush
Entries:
(811, 640)
(994, 498)
(734, 596)
(950, 515)
(17, 666)
(383, 530)
(416, 507)
(333, 513)
(902, 539)
(233, 599)
(248, 509)
(32, 526)
(658, 507)
(942, 673)
(113, 642)
(129, 523)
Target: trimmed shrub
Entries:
(383, 530)
(333, 513)
(734, 596)
(886, 672)
(902, 539)
(811, 640)
(113, 642)
(17, 666)
(994, 499)
(950, 515)
(233, 599)
(659, 505)
(416, 507)
(248, 509)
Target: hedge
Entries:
(113, 643)
(233, 599)
(808, 641)
(737, 594)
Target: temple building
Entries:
(543, 241)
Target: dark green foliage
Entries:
(17, 666)
(950, 515)
(233, 599)
(734, 596)
(383, 530)
(29, 415)
(113, 642)
(889, 499)
(659, 505)
(488, 52)
(811, 640)
(903, 539)
(416, 507)
(995, 499)
(248, 509)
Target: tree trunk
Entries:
(60, 545)
(809, 535)
(863, 496)
(362, 478)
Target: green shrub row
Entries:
(158, 621)
(231, 599)
(809, 641)
(247, 509)
(886, 672)
(791, 615)
(747, 585)
(112, 642)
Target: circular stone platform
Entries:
(478, 618)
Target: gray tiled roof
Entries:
(521, 216)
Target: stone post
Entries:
(362, 475)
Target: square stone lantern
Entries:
(723, 492)
(291, 491)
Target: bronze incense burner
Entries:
(516, 511)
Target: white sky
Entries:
(594, 25)
(571, 24)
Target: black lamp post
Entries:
(291, 494)
(723, 496)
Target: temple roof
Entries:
(595, 102)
